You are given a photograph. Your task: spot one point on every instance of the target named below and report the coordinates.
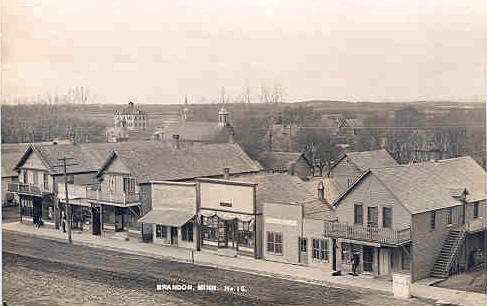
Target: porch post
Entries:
(20, 208)
(101, 220)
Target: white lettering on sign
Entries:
(281, 221)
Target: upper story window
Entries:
(358, 214)
(432, 220)
(129, 184)
(387, 217)
(35, 176)
(372, 217)
(476, 209)
(25, 176)
(46, 181)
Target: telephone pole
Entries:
(67, 207)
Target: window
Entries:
(476, 209)
(25, 177)
(303, 245)
(358, 216)
(161, 231)
(387, 217)
(432, 220)
(209, 228)
(46, 181)
(246, 234)
(36, 178)
(187, 232)
(449, 215)
(320, 249)
(129, 184)
(274, 243)
(372, 216)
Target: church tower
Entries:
(223, 117)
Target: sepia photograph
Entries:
(243, 152)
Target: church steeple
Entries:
(223, 117)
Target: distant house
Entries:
(131, 122)
(350, 166)
(286, 162)
(350, 127)
(425, 219)
(199, 131)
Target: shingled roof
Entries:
(11, 154)
(154, 161)
(371, 159)
(195, 130)
(278, 160)
(431, 185)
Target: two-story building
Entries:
(129, 176)
(41, 169)
(232, 210)
(349, 167)
(425, 218)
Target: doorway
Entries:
(368, 259)
(96, 224)
(231, 228)
(174, 235)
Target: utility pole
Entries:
(68, 207)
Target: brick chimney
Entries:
(226, 173)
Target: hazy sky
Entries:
(160, 51)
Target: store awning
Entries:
(169, 217)
(226, 215)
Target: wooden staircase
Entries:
(448, 254)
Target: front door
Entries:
(368, 259)
(231, 228)
(174, 235)
(119, 219)
(95, 221)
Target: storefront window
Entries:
(210, 228)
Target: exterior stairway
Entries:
(451, 246)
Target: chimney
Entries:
(226, 173)
(321, 191)
(176, 141)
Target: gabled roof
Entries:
(155, 161)
(277, 188)
(195, 130)
(351, 122)
(369, 159)
(430, 185)
(11, 152)
(279, 160)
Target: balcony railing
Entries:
(22, 188)
(475, 225)
(123, 198)
(369, 234)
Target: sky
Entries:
(161, 51)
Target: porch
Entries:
(383, 236)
